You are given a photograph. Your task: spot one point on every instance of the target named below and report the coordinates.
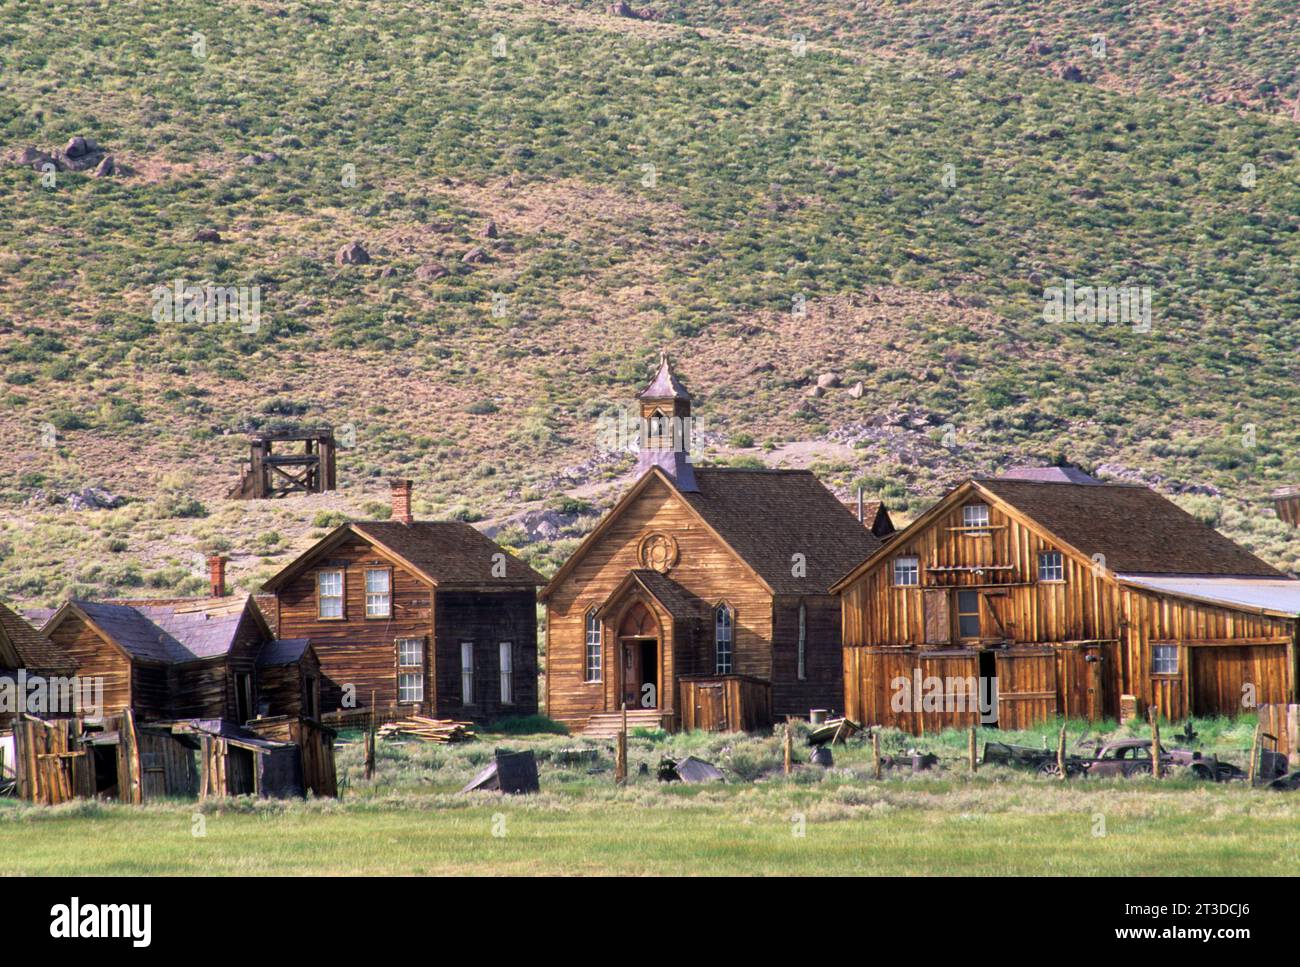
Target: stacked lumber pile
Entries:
(427, 729)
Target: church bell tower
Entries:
(666, 427)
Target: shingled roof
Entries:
(768, 516)
(449, 551)
(173, 633)
(679, 602)
(1138, 530)
(22, 646)
(665, 385)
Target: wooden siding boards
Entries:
(358, 655)
(1089, 612)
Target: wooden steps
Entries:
(606, 725)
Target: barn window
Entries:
(329, 594)
(1051, 567)
(722, 629)
(907, 572)
(803, 639)
(379, 598)
(507, 673)
(968, 614)
(1164, 659)
(975, 516)
(410, 669)
(593, 647)
(467, 673)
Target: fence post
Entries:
(620, 751)
(1254, 755)
(970, 751)
(789, 748)
(1155, 741)
(1060, 751)
(875, 750)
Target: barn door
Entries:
(938, 620)
(1026, 688)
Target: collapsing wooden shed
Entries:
(121, 759)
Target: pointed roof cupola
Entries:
(666, 427)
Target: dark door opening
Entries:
(641, 673)
(105, 771)
(988, 691)
(243, 697)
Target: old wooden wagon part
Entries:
(508, 772)
(272, 472)
(833, 731)
(1286, 502)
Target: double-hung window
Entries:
(329, 593)
(410, 669)
(379, 596)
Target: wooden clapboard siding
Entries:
(823, 683)
(705, 567)
(487, 619)
(92, 657)
(358, 651)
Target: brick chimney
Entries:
(217, 575)
(402, 501)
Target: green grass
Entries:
(411, 820)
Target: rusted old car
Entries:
(1131, 757)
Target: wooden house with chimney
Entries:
(420, 616)
(1068, 594)
(209, 658)
(702, 598)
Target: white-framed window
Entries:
(410, 669)
(507, 673)
(1164, 659)
(723, 626)
(803, 640)
(975, 516)
(907, 572)
(329, 593)
(593, 647)
(1051, 566)
(467, 673)
(379, 596)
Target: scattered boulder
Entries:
(259, 158)
(828, 380)
(76, 147)
(856, 390)
(1071, 73)
(207, 235)
(816, 392)
(105, 167)
(430, 271)
(1038, 48)
(474, 256)
(388, 271)
(354, 253)
(490, 230)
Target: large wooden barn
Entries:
(1069, 593)
(701, 600)
(423, 616)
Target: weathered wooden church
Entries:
(702, 599)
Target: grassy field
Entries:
(410, 820)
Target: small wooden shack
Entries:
(273, 472)
(24, 649)
(120, 758)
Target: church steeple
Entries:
(666, 426)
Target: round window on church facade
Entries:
(658, 552)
